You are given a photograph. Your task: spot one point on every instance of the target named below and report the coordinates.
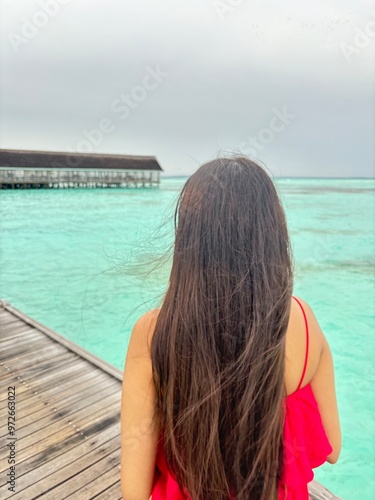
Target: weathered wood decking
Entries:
(67, 416)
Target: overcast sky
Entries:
(291, 83)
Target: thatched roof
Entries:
(47, 159)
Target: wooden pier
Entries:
(67, 414)
(67, 425)
(49, 169)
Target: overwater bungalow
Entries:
(49, 169)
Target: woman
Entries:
(228, 388)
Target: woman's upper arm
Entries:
(323, 386)
(139, 432)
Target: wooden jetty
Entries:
(48, 169)
(67, 416)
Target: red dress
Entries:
(305, 446)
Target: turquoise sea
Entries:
(76, 260)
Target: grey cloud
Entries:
(225, 76)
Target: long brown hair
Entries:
(219, 342)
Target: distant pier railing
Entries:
(57, 178)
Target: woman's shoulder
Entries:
(303, 343)
(296, 347)
(147, 321)
(143, 329)
(314, 332)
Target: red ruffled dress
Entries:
(305, 446)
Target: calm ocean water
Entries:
(72, 259)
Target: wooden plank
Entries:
(7, 318)
(95, 410)
(30, 387)
(66, 478)
(10, 325)
(32, 444)
(94, 382)
(31, 371)
(30, 337)
(101, 484)
(86, 474)
(34, 370)
(72, 384)
(117, 441)
(113, 493)
(27, 362)
(39, 379)
(4, 313)
(97, 379)
(15, 332)
(319, 492)
(63, 405)
(68, 450)
(14, 329)
(54, 395)
(18, 351)
(41, 354)
(29, 476)
(33, 346)
(68, 437)
(95, 360)
(65, 413)
(54, 387)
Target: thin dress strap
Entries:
(307, 342)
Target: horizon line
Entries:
(283, 177)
